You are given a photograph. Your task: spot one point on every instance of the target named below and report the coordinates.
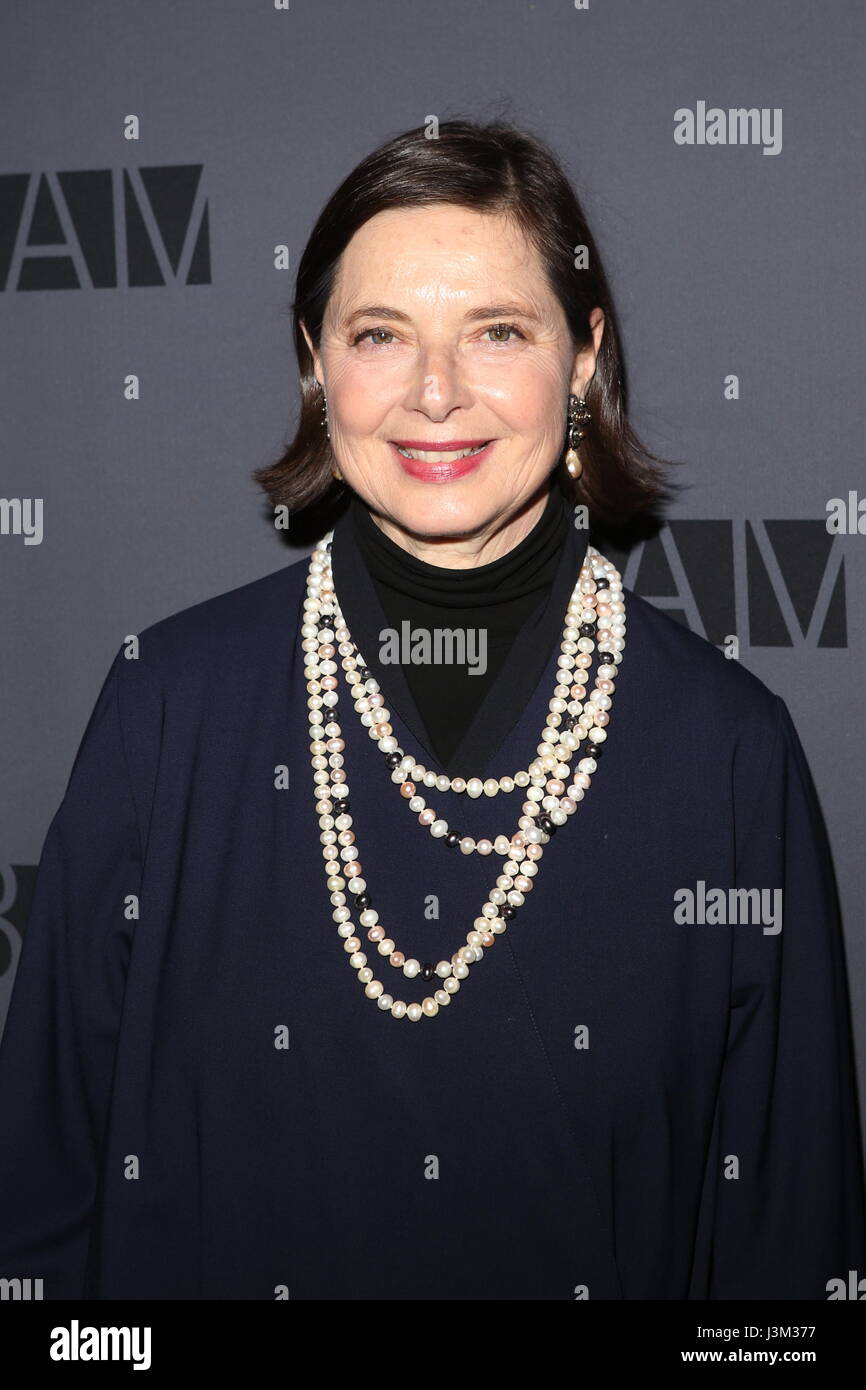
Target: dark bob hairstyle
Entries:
(493, 168)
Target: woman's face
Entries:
(442, 334)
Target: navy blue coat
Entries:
(615, 1105)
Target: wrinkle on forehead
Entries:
(410, 256)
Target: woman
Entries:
(252, 1056)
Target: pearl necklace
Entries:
(581, 723)
(322, 626)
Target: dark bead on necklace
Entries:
(363, 901)
(452, 840)
(546, 824)
(597, 750)
(602, 584)
(392, 760)
(586, 629)
(364, 673)
(507, 912)
(427, 972)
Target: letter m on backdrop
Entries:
(104, 229)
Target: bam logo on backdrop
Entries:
(769, 583)
(104, 229)
(17, 884)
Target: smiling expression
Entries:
(447, 362)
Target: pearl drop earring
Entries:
(577, 415)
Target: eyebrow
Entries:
(485, 311)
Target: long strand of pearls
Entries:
(545, 783)
(324, 636)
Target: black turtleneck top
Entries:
(459, 712)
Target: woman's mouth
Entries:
(454, 458)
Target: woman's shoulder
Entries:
(690, 673)
(230, 629)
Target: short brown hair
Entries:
(493, 168)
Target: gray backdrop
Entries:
(154, 257)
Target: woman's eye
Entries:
(372, 333)
(383, 337)
(503, 328)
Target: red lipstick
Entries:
(440, 472)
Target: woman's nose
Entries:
(438, 385)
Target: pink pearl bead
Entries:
(555, 787)
(338, 775)
(522, 883)
(376, 934)
(582, 780)
(534, 851)
(568, 805)
(602, 718)
(346, 837)
(375, 700)
(407, 789)
(335, 745)
(328, 651)
(427, 816)
(329, 682)
(353, 869)
(487, 938)
(605, 686)
(604, 610)
(397, 959)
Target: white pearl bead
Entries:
(474, 787)
(414, 1012)
(411, 968)
(438, 829)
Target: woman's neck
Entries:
(467, 552)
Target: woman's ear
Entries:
(317, 361)
(584, 362)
